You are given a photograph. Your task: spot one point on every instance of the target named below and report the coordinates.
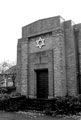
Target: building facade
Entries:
(48, 59)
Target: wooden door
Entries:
(42, 84)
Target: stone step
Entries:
(36, 104)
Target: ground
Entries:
(33, 116)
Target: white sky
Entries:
(16, 13)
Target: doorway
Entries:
(42, 83)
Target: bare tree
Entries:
(5, 65)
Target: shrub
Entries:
(58, 105)
(64, 105)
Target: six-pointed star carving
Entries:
(40, 42)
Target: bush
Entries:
(4, 97)
(64, 105)
(58, 105)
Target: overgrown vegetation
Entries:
(58, 105)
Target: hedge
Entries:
(57, 105)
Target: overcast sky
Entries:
(16, 13)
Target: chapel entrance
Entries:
(42, 83)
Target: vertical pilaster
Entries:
(70, 59)
(50, 75)
(18, 78)
(59, 63)
(24, 67)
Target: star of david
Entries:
(40, 42)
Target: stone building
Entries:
(49, 59)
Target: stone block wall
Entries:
(77, 34)
(70, 59)
(24, 67)
(40, 60)
(77, 28)
(42, 26)
(18, 78)
(60, 62)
